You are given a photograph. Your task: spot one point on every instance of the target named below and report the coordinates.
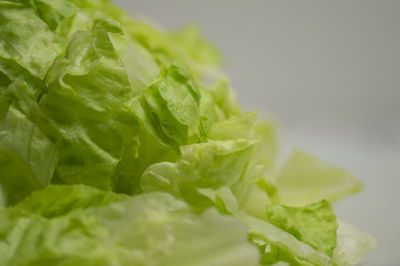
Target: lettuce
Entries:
(123, 143)
(28, 158)
(148, 229)
(314, 224)
(304, 179)
(352, 244)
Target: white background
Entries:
(329, 71)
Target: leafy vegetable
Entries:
(352, 244)
(27, 157)
(57, 200)
(314, 224)
(305, 179)
(123, 144)
(150, 229)
(27, 43)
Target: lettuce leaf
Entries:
(314, 224)
(275, 245)
(27, 157)
(352, 244)
(57, 200)
(217, 173)
(304, 179)
(26, 40)
(150, 229)
(94, 130)
(206, 165)
(172, 107)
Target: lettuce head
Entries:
(122, 143)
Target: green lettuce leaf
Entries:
(140, 65)
(304, 179)
(314, 224)
(352, 244)
(26, 39)
(277, 245)
(233, 128)
(205, 165)
(27, 157)
(150, 229)
(274, 244)
(225, 99)
(203, 184)
(54, 12)
(174, 102)
(57, 200)
(85, 111)
(266, 130)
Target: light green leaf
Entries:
(233, 128)
(150, 229)
(274, 243)
(266, 130)
(139, 63)
(352, 244)
(299, 252)
(27, 157)
(84, 106)
(149, 122)
(314, 224)
(57, 200)
(26, 39)
(181, 95)
(206, 106)
(169, 108)
(206, 165)
(53, 12)
(173, 128)
(225, 99)
(305, 179)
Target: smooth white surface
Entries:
(329, 71)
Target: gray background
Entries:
(329, 71)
